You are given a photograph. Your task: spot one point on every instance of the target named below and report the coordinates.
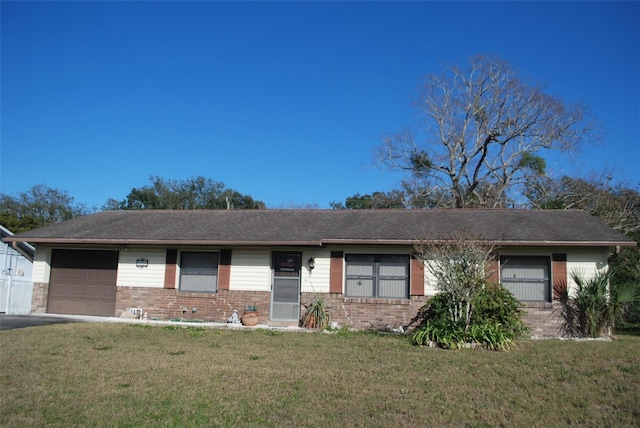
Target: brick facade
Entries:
(39, 297)
(367, 313)
(543, 319)
(166, 304)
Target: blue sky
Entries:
(283, 101)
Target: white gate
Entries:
(15, 295)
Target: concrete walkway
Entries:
(8, 322)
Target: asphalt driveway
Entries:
(9, 322)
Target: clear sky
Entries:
(282, 101)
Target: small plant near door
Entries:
(317, 315)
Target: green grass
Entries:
(127, 375)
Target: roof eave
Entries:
(166, 242)
(631, 244)
(321, 243)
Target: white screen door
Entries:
(285, 293)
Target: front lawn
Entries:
(133, 375)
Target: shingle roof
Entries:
(322, 227)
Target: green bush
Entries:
(493, 336)
(495, 322)
(494, 304)
(442, 332)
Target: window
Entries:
(199, 272)
(377, 276)
(526, 277)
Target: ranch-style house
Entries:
(204, 264)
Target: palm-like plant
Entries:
(596, 306)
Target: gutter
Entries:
(632, 244)
(165, 242)
(320, 243)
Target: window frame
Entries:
(215, 271)
(547, 280)
(376, 262)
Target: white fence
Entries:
(15, 295)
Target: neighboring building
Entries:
(203, 264)
(16, 266)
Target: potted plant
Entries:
(250, 316)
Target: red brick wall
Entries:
(367, 313)
(166, 304)
(543, 319)
(355, 313)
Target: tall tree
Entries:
(193, 193)
(37, 207)
(391, 199)
(484, 131)
(617, 205)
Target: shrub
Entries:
(595, 307)
(495, 323)
(494, 304)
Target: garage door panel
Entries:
(67, 290)
(83, 282)
(99, 291)
(66, 305)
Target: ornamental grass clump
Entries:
(317, 315)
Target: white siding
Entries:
(430, 283)
(42, 264)
(250, 270)
(151, 276)
(15, 264)
(317, 280)
(377, 250)
(585, 262)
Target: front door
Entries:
(285, 293)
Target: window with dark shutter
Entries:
(384, 276)
(526, 277)
(199, 272)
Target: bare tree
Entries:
(484, 131)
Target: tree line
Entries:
(41, 205)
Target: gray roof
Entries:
(324, 227)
